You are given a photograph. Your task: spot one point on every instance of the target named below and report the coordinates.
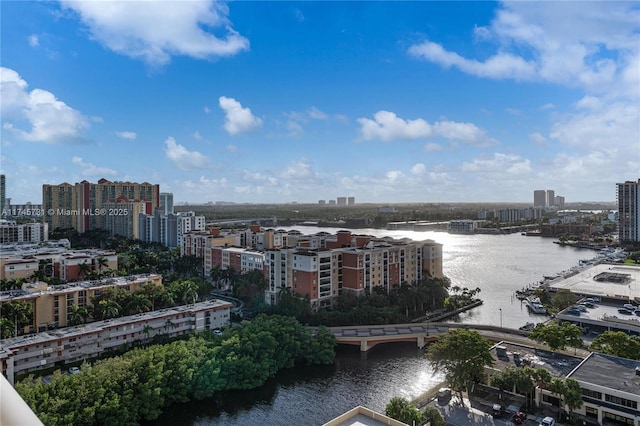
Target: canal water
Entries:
(497, 264)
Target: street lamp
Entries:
(500, 317)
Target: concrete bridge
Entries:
(367, 336)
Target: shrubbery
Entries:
(141, 383)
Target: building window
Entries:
(621, 401)
(592, 393)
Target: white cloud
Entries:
(419, 169)
(299, 15)
(597, 51)
(90, 169)
(465, 132)
(501, 65)
(237, 118)
(183, 158)
(547, 106)
(387, 126)
(50, 120)
(299, 170)
(499, 165)
(316, 114)
(206, 110)
(126, 135)
(537, 138)
(196, 135)
(232, 148)
(156, 30)
(612, 125)
(432, 147)
(33, 40)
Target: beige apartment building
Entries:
(52, 305)
(65, 345)
(57, 262)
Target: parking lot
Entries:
(459, 412)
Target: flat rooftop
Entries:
(517, 355)
(93, 327)
(362, 416)
(609, 371)
(605, 280)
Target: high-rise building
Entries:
(545, 198)
(166, 202)
(351, 201)
(342, 201)
(540, 198)
(629, 211)
(82, 206)
(3, 196)
(58, 204)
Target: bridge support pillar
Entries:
(420, 342)
(364, 346)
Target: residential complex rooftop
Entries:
(605, 280)
(506, 354)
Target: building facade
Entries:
(166, 202)
(83, 206)
(11, 232)
(55, 347)
(628, 197)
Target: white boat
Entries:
(536, 306)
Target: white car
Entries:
(548, 421)
(74, 370)
(217, 332)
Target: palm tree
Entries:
(147, 330)
(21, 312)
(188, 291)
(83, 269)
(102, 262)
(109, 308)
(138, 303)
(78, 315)
(7, 328)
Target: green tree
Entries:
(78, 315)
(83, 270)
(558, 337)
(402, 410)
(461, 355)
(20, 312)
(433, 416)
(617, 343)
(109, 309)
(7, 328)
(572, 395)
(563, 299)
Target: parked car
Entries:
(573, 312)
(444, 394)
(497, 410)
(588, 304)
(74, 370)
(624, 311)
(548, 421)
(629, 307)
(217, 332)
(581, 308)
(519, 418)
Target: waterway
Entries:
(497, 264)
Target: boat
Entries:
(535, 305)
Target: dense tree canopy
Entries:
(139, 384)
(402, 410)
(558, 336)
(617, 343)
(461, 355)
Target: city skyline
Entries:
(277, 102)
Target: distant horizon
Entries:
(302, 101)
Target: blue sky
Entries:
(302, 101)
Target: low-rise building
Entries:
(52, 305)
(610, 389)
(56, 347)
